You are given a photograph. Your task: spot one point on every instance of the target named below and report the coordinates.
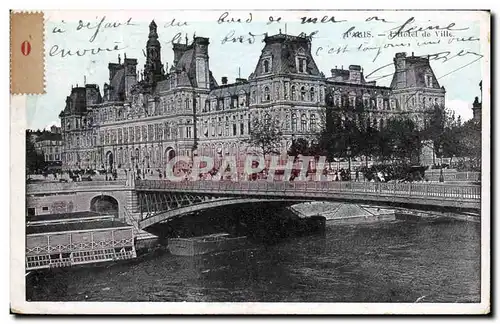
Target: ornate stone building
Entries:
(144, 118)
(48, 143)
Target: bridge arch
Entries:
(211, 203)
(104, 204)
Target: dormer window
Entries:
(266, 65)
(301, 64)
(428, 81)
(301, 61)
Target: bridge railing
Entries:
(432, 190)
(450, 175)
(72, 186)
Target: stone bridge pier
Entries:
(117, 197)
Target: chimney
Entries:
(224, 80)
(179, 49)
(113, 68)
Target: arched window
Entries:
(266, 66)
(294, 122)
(302, 93)
(267, 94)
(303, 123)
(267, 119)
(311, 94)
(294, 95)
(313, 122)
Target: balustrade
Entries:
(430, 190)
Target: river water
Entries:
(379, 262)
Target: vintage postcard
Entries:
(250, 162)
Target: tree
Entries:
(266, 135)
(331, 140)
(34, 161)
(436, 125)
(368, 139)
(345, 132)
(470, 143)
(300, 146)
(399, 140)
(450, 143)
(444, 131)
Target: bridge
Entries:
(162, 200)
(151, 202)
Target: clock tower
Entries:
(153, 69)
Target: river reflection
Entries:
(381, 262)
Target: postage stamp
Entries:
(250, 162)
(26, 53)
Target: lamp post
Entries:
(395, 150)
(349, 160)
(440, 151)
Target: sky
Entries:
(80, 44)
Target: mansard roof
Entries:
(231, 89)
(283, 49)
(76, 102)
(117, 85)
(416, 68)
(49, 136)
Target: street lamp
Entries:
(349, 159)
(394, 152)
(441, 176)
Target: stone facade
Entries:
(144, 118)
(49, 143)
